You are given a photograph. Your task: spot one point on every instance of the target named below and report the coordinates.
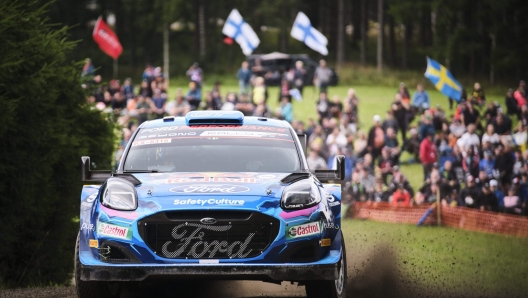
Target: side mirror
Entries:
(302, 139)
(333, 175)
(93, 176)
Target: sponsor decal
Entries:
(209, 202)
(164, 135)
(303, 230)
(331, 200)
(209, 189)
(151, 142)
(87, 226)
(326, 242)
(114, 231)
(330, 225)
(94, 243)
(332, 204)
(201, 248)
(229, 133)
(196, 178)
(159, 129)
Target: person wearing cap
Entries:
(468, 197)
(494, 187)
(428, 154)
(376, 138)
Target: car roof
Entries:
(249, 120)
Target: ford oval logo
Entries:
(209, 189)
(208, 221)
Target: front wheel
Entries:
(331, 288)
(86, 289)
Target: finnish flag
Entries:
(236, 28)
(304, 31)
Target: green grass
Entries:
(445, 261)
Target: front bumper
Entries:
(294, 272)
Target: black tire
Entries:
(330, 288)
(88, 289)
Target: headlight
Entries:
(300, 195)
(119, 194)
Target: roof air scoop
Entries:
(214, 117)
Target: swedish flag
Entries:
(443, 79)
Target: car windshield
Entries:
(213, 148)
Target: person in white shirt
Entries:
(490, 135)
(457, 128)
(469, 139)
(336, 139)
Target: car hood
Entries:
(217, 184)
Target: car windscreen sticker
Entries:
(209, 202)
(151, 142)
(229, 133)
(304, 230)
(210, 179)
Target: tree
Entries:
(380, 36)
(46, 127)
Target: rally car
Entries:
(212, 195)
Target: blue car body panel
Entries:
(210, 191)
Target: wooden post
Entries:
(438, 208)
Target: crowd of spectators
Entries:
(475, 157)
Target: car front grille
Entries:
(184, 235)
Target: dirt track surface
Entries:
(372, 274)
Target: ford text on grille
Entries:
(200, 248)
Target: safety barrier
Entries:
(458, 217)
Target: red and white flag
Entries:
(107, 40)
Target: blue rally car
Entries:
(213, 195)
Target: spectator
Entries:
(315, 162)
(286, 110)
(159, 100)
(403, 92)
(512, 105)
(457, 128)
(356, 191)
(336, 107)
(336, 140)
(487, 164)
(231, 103)
(322, 76)
(261, 110)
(284, 90)
(244, 106)
(349, 162)
(244, 77)
(427, 154)
(412, 145)
(376, 138)
(478, 97)
(323, 107)
(260, 92)
(470, 163)
(118, 103)
(512, 202)
(504, 164)
(490, 135)
(469, 115)
(180, 106)
(421, 99)
(142, 109)
(128, 89)
(498, 194)
(390, 122)
(469, 196)
(426, 127)
(360, 144)
(88, 68)
(194, 96)
(502, 124)
(520, 136)
(488, 199)
(298, 76)
(469, 139)
(401, 197)
(385, 164)
(391, 143)
(449, 176)
(195, 74)
(145, 89)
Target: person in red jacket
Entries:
(428, 154)
(401, 197)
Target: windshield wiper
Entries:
(141, 171)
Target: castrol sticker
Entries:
(303, 230)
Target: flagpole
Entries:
(115, 68)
